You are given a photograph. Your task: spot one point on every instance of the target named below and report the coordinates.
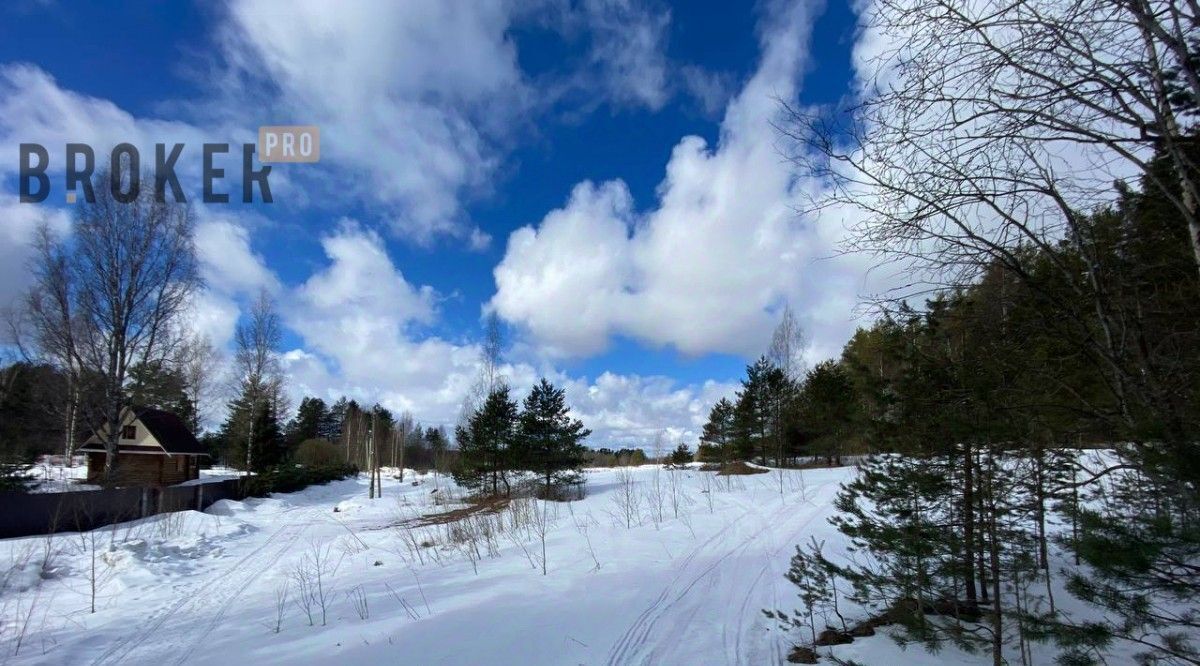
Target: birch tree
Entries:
(110, 295)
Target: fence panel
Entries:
(28, 514)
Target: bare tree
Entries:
(281, 600)
(197, 360)
(405, 426)
(788, 342)
(109, 296)
(491, 352)
(787, 354)
(258, 372)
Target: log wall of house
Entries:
(138, 469)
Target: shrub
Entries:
(681, 455)
(317, 453)
(290, 478)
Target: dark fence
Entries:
(23, 514)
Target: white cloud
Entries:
(214, 316)
(411, 97)
(565, 280)
(710, 89)
(356, 317)
(34, 109)
(707, 269)
(232, 271)
(417, 102)
(630, 410)
(228, 263)
(629, 51)
(18, 228)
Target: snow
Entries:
(200, 588)
(51, 474)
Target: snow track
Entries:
(173, 632)
(736, 571)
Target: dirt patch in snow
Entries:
(739, 468)
(485, 505)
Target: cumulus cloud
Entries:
(19, 224)
(417, 102)
(631, 410)
(228, 262)
(356, 317)
(413, 98)
(359, 319)
(708, 267)
(232, 270)
(35, 109)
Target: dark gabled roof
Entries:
(171, 432)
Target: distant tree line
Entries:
(606, 457)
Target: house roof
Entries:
(172, 434)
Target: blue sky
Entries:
(525, 157)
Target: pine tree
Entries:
(717, 438)
(550, 442)
(332, 428)
(827, 409)
(312, 417)
(252, 427)
(486, 443)
(753, 413)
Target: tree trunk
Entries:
(72, 414)
(968, 518)
(994, 562)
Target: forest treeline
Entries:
(1028, 178)
(980, 409)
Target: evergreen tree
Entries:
(332, 428)
(763, 423)
(486, 442)
(155, 385)
(311, 421)
(437, 444)
(252, 431)
(752, 421)
(682, 455)
(718, 437)
(827, 408)
(550, 442)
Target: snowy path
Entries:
(175, 631)
(737, 571)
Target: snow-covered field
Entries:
(634, 575)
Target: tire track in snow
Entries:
(232, 592)
(229, 584)
(621, 646)
(769, 572)
(631, 646)
(712, 574)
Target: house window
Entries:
(129, 432)
(180, 464)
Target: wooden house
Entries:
(156, 449)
